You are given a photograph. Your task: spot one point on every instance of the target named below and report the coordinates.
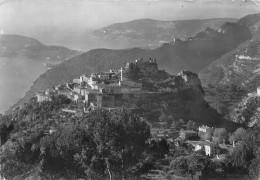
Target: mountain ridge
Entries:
(12, 45)
(158, 30)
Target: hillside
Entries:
(238, 69)
(192, 54)
(240, 66)
(158, 31)
(22, 60)
(247, 110)
(252, 21)
(26, 47)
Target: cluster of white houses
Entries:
(197, 144)
(103, 89)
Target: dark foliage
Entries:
(53, 144)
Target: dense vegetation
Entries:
(40, 140)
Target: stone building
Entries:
(41, 96)
(141, 68)
(205, 129)
(203, 145)
(258, 91)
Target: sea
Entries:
(17, 74)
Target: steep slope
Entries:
(239, 67)
(247, 110)
(26, 47)
(192, 54)
(156, 30)
(251, 21)
(236, 73)
(22, 60)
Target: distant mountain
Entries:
(26, 47)
(22, 60)
(157, 31)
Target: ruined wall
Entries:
(141, 69)
(147, 69)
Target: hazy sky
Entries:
(21, 15)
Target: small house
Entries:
(205, 129)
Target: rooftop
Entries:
(202, 143)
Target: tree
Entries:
(188, 166)
(181, 121)
(163, 119)
(245, 153)
(158, 148)
(220, 134)
(194, 125)
(207, 135)
(175, 125)
(231, 139)
(121, 139)
(254, 168)
(239, 134)
(95, 145)
(5, 129)
(170, 120)
(189, 125)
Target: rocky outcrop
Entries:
(190, 80)
(141, 69)
(185, 101)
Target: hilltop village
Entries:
(110, 89)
